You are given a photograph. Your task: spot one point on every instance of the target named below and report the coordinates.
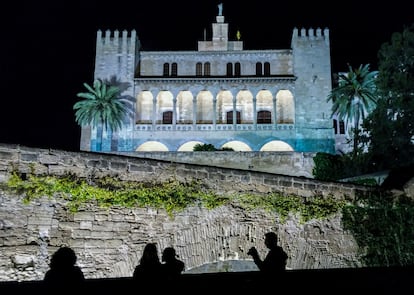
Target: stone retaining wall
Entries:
(109, 241)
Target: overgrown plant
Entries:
(383, 226)
(330, 167)
(315, 207)
(107, 192)
(173, 196)
(209, 148)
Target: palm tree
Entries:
(354, 98)
(102, 108)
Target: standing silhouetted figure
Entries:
(149, 267)
(276, 258)
(172, 266)
(64, 275)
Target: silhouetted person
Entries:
(149, 267)
(275, 260)
(64, 275)
(172, 267)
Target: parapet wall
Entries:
(109, 241)
(93, 164)
(283, 163)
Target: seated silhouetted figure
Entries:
(172, 267)
(149, 267)
(64, 275)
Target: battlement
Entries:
(310, 32)
(114, 37)
(116, 54)
(310, 35)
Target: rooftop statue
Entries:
(220, 9)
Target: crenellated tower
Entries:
(116, 57)
(312, 68)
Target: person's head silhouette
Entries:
(63, 272)
(169, 254)
(64, 257)
(150, 254)
(270, 240)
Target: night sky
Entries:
(47, 47)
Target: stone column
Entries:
(254, 113)
(194, 112)
(234, 113)
(154, 110)
(274, 111)
(174, 118)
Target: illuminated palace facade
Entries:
(221, 94)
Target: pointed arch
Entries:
(223, 106)
(264, 107)
(205, 107)
(144, 106)
(285, 107)
(164, 104)
(244, 105)
(185, 107)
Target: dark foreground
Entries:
(332, 281)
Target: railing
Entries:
(213, 127)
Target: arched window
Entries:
(259, 70)
(264, 117)
(174, 69)
(199, 69)
(237, 69)
(267, 69)
(166, 71)
(167, 117)
(229, 70)
(207, 69)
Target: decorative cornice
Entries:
(213, 80)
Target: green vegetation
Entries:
(383, 103)
(102, 107)
(208, 147)
(107, 192)
(328, 167)
(390, 128)
(315, 207)
(354, 97)
(172, 196)
(331, 167)
(383, 227)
